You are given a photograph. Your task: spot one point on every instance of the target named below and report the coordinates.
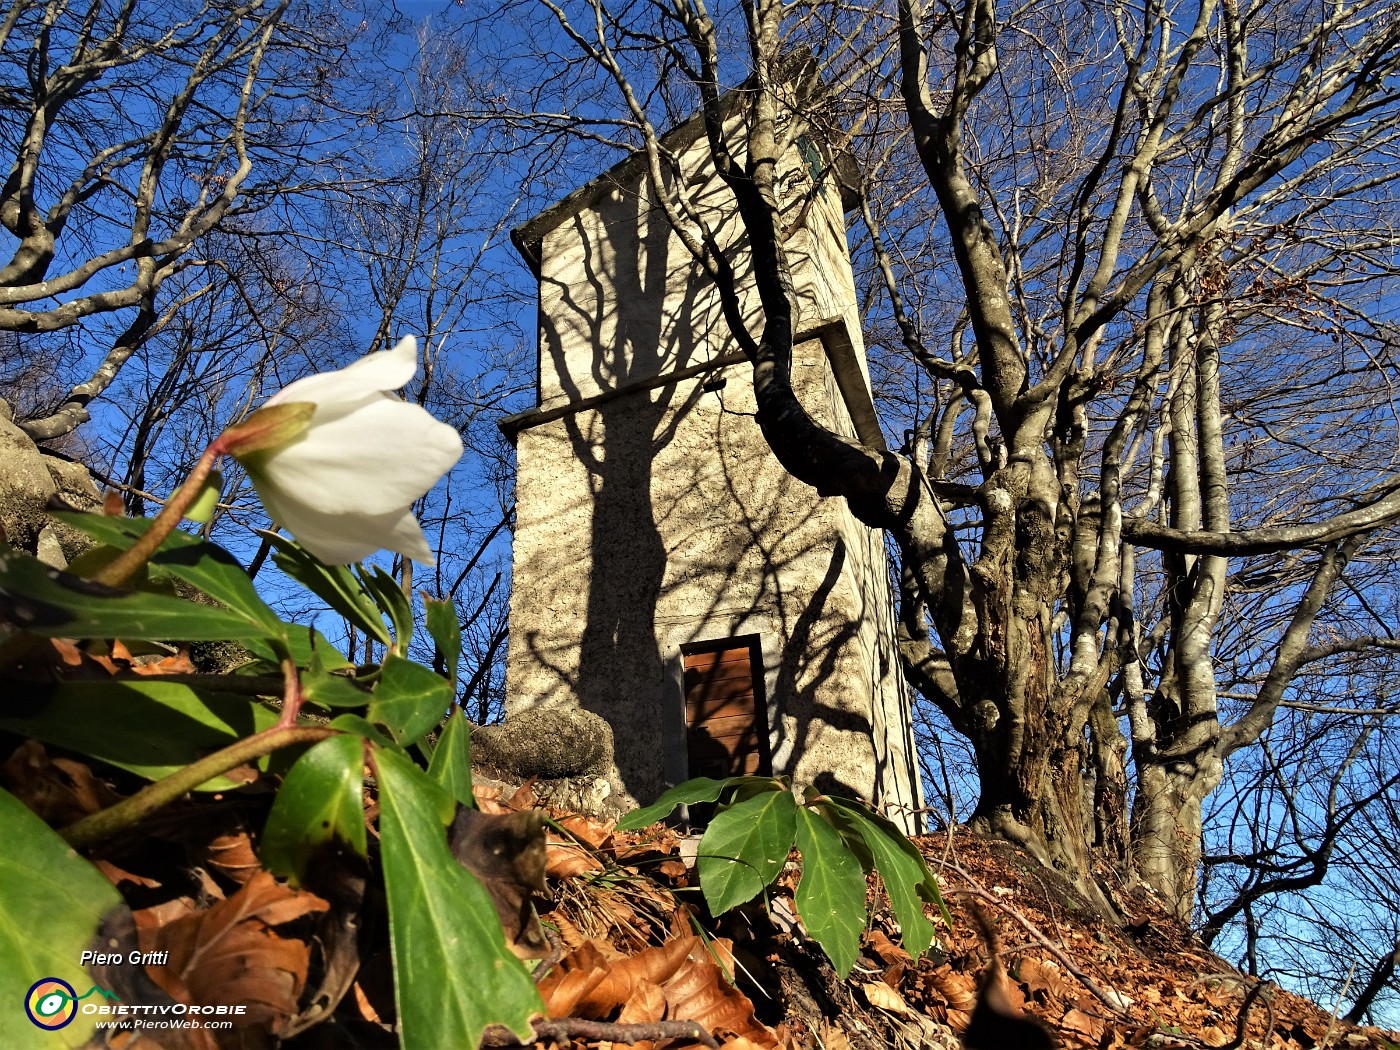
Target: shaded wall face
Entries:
(715, 541)
(660, 518)
(870, 678)
(621, 300)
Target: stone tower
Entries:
(668, 574)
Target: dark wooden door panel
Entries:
(725, 713)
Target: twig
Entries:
(1110, 999)
(556, 953)
(566, 1029)
(105, 823)
(1337, 1006)
(1242, 1021)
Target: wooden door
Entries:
(725, 713)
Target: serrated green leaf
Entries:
(440, 920)
(51, 901)
(908, 880)
(336, 585)
(744, 848)
(446, 632)
(451, 764)
(409, 699)
(831, 893)
(701, 789)
(389, 596)
(151, 728)
(320, 802)
(55, 604)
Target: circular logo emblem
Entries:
(51, 1003)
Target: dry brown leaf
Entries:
(80, 664)
(568, 930)
(1015, 996)
(886, 950)
(567, 860)
(1045, 977)
(367, 1011)
(68, 652)
(647, 1006)
(229, 954)
(122, 660)
(595, 833)
(958, 990)
(608, 985)
(883, 997)
(488, 799)
(576, 975)
(523, 797)
(59, 790)
(233, 855)
(1213, 1035)
(1077, 1022)
(673, 869)
(698, 993)
(116, 876)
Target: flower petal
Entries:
(339, 539)
(378, 457)
(383, 370)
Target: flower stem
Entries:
(292, 695)
(127, 564)
(105, 823)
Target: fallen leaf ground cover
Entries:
(633, 954)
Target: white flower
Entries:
(344, 480)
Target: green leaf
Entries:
(749, 786)
(302, 643)
(451, 764)
(744, 848)
(409, 699)
(453, 974)
(151, 728)
(55, 604)
(334, 584)
(831, 892)
(908, 880)
(330, 690)
(390, 597)
(204, 565)
(701, 789)
(446, 632)
(51, 901)
(362, 728)
(218, 574)
(321, 802)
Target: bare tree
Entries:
(423, 246)
(134, 130)
(1306, 846)
(1139, 293)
